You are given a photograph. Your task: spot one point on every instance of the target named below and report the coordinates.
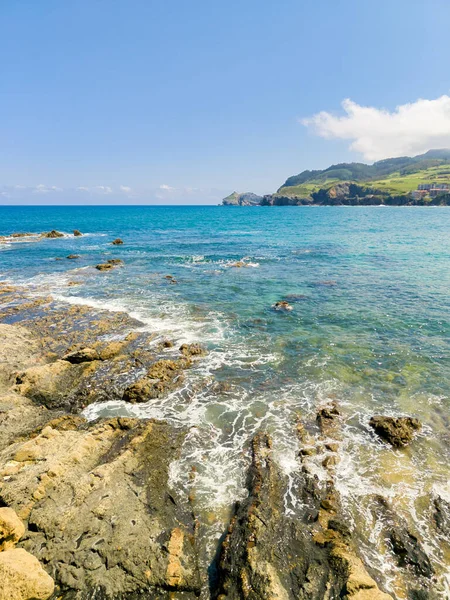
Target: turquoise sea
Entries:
(369, 327)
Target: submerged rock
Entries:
(73, 256)
(22, 577)
(77, 233)
(117, 242)
(398, 431)
(282, 305)
(115, 261)
(52, 234)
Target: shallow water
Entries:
(369, 327)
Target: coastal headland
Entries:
(422, 180)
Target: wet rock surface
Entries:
(398, 431)
(268, 554)
(96, 501)
(53, 234)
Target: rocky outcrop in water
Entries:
(245, 199)
(398, 431)
(117, 242)
(268, 554)
(53, 234)
(97, 502)
(162, 377)
(77, 233)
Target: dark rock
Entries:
(117, 242)
(398, 431)
(410, 552)
(115, 261)
(82, 355)
(104, 267)
(77, 233)
(53, 234)
(269, 554)
(73, 256)
(441, 515)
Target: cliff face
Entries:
(351, 194)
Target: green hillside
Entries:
(392, 176)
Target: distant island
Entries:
(422, 180)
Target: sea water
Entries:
(369, 328)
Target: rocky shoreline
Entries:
(94, 504)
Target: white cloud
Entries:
(102, 189)
(45, 189)
(125, 189)
(82, 188)
(377, 133)
(166, 188)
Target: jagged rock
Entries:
(162, 376)
(441, 515)
(117, 242)
(269, 554)
(115, 261)
(328, 420)
(22, 577)
(282, 305)
(405, 544)
(100, 511)
(11, 528)
(53, 234)
(77, 233)
(81, 355)
(398, 431)
(192, 350)
(73, 256)
(104, 267)
(410, 552)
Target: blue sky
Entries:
(185, 101)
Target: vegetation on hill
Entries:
(390, 182)
(392, 176)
